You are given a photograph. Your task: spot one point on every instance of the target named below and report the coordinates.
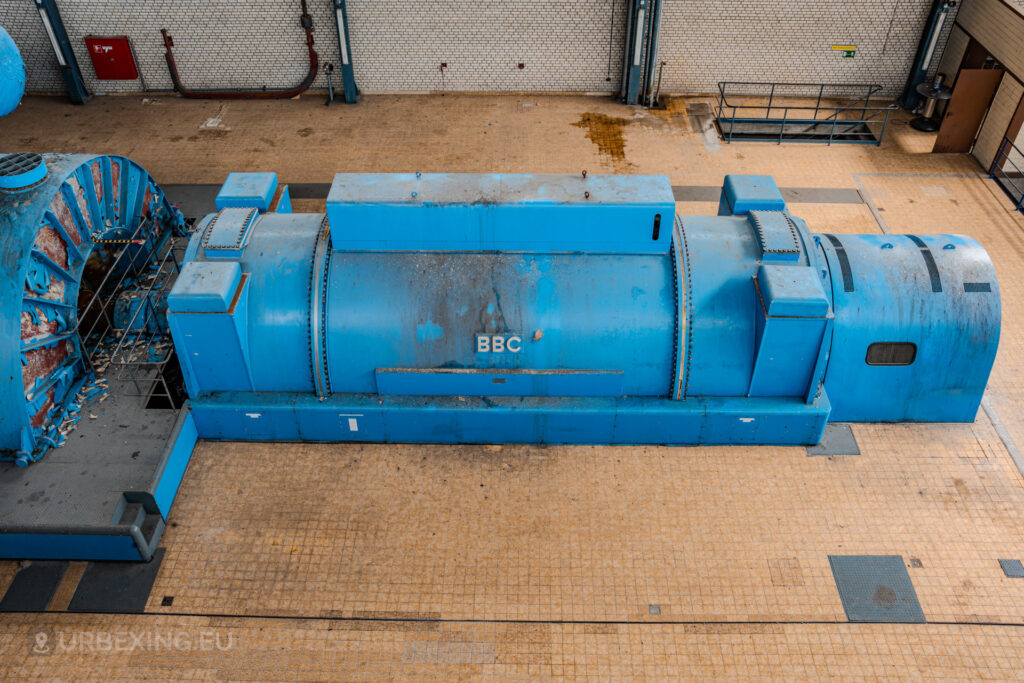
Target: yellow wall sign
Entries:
(848, 50)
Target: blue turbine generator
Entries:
(86, 244)
(455, 308)
(440, 309)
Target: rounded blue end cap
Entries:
(12, 74)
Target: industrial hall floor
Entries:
(350, 562)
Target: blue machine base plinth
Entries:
(106, 494)
(474, 419)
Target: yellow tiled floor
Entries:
(295, 650)
(368, 561)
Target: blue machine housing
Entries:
(936, 294)
(563, 309)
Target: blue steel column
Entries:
(348, 76)
(636, 34)
(652, 52)
(54, 26)
(926, 51)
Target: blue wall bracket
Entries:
(641, 53)
(348, 76)
(54, 27)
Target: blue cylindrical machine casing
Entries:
(279, 260)
(571, 311)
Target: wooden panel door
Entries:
(971, 98)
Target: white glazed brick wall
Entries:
(217, 44)
(399, 45)
(706, 41)
(20, 19)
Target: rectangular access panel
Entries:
(532, 213)
(112, 58)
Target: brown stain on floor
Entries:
(672, 110)
(606, 132)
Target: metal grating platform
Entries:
(807, 130)
(119, 447)
(21, 162)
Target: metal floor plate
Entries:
(876, 588)
(837, 440)
(1014, 569)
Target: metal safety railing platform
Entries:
(1008, 171)
(801, 112)
(124, 326)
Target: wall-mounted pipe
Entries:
(306, 22)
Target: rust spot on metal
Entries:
(41, 362)
(146, 201)
(40, 417)
(52, 244)
(56, 291)
(60, 209)
(31, 330)
(97, 182)
(115, 182)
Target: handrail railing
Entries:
(723, 87)
(1008, 171)
(794, 113)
